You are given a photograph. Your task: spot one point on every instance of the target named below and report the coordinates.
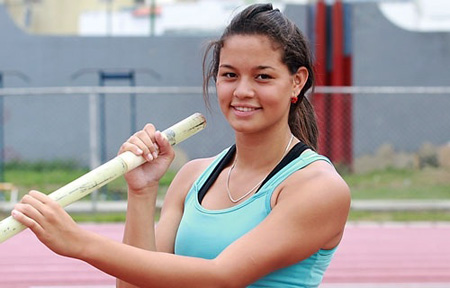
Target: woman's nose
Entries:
(244, 89)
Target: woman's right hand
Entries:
(158, 152)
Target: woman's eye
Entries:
(229, 75)
(263, 77)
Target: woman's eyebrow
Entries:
(264, 67)
(259, 67)
(225, 66)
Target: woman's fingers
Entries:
(27, 221)
(41, 197)
(145, 142)
(49, 221)
(128, 146)
(33, 199)
(30, 212)
(142, 143)
(36, 206)
(162, 141)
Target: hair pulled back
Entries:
(262, 19)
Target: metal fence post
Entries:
(93, 142)
(2, 142)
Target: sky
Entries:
(419, 15)
(414, 15)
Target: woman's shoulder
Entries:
(185, 178)
(196, 166)
(190, 171)
(315, 196)
(317, 179)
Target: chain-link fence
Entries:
(362, 128)
(78, 123)
(370, 128)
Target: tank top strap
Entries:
(293, 154)
(221, 161)
(307, 157)
(224, 158)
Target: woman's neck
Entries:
(262, 150)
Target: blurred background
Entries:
(77, 78)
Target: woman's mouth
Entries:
(244, 109)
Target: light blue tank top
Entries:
(205, 233)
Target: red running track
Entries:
(369, 253)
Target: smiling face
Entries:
(254, 87)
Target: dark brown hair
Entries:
(262, 19)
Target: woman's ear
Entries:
(299, 79)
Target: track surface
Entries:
(370, 255)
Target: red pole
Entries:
(348, 132)
(337, 79)
(320, 66)
(348, 114)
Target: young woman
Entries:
(266, 212)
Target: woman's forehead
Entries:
(250, 46)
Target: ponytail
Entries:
(303, 124)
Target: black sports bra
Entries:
(291, 155)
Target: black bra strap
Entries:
(292, 154)
(215, 173)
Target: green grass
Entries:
(99, 217)
(48, 177)
(428, 183)
(399, 216)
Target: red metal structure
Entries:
(333, 68)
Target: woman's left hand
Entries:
(50, 223)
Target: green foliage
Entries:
(50, 176)
(116, 217)
(42, 176)
(429, 183)
(42, 166)
(426, 183)
(99, 217)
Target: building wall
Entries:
(386, 55)
(49, 127)
(57, 17)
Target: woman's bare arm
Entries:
(139, 229)
(310, 214)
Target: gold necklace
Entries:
(259, 183)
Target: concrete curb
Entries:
(400, 205)
(357, 205)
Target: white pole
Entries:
(94, 159)
(107, 172)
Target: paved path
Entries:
(371, 255)
(393, 253)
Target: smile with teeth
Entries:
(245, 109)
